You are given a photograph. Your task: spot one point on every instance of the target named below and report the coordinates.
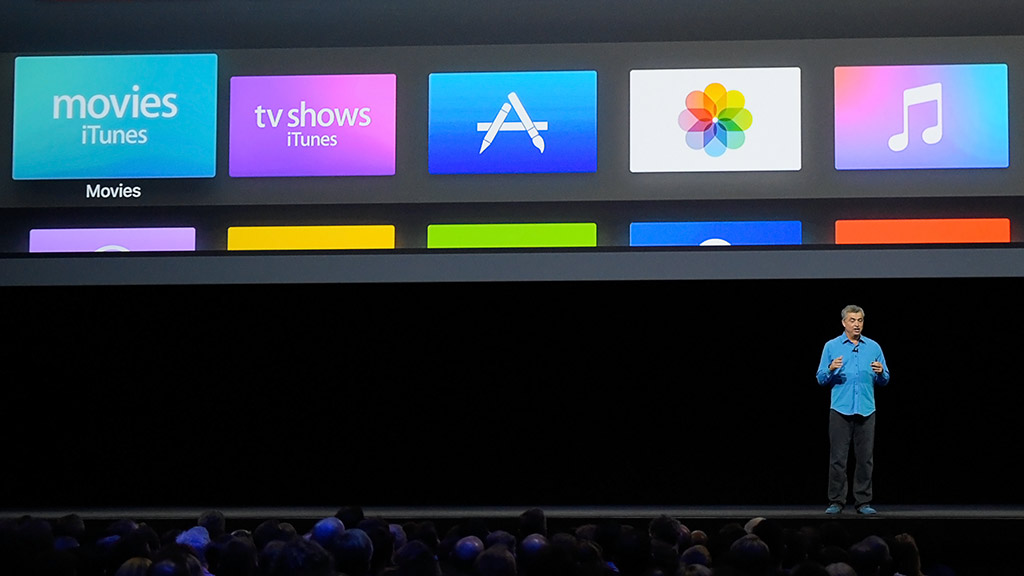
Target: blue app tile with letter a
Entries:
(513, 122)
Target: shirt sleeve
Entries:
(883, 378)
(824, 374)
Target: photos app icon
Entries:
(714, 120)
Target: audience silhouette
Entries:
(351, 544)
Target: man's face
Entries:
(853, 324)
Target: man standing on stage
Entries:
(852, 365)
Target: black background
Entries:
(548, 393)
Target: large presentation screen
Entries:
(318, 249)
(208, 162)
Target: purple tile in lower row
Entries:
(112, 240)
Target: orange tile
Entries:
(923, 231)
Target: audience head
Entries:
(134, 567)
(586, 532)
(353, 552)
(869, 556)
(415, 558)
(301, 557)
(69, 525)
(350, 515)
(590, 557)
(749, 526)
(175, 560)
(632, 551)
(270, 530)
(268, 554)
(120, 527)
(214, 522)
(772, 534)
(721, 544)
(495, 561)
(398, 536)
(63, 543)
(685, 538)
(196, 538)
(465, 551)
(696, 554)
(607, 537)
(533, 543)
(664, 556)
(236, 557)
(905, 556)
(694, 570)
(503, 538)
(840, 569)
(142, 542)
(556, 558)
(326, 530)
(533, 521)
(383, 542)
(750, 554)
(832, 554)
(666, 529)
(425, 532)
(529, 549)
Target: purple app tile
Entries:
(112, 240)
(331, 125)
(908, 117)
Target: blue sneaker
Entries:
(867, 510)
(833, 509)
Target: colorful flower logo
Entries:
(715, 120)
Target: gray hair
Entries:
(852, 309)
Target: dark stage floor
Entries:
(732, 513)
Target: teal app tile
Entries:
(120, 116)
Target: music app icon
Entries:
(919, 95)
(906, 117)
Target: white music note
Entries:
(919, 95)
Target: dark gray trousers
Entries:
(842, 432)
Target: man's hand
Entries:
(877, 367)
(836, 364)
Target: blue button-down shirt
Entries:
(853, 385)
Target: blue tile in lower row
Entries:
(753, 233)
